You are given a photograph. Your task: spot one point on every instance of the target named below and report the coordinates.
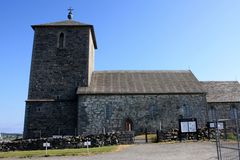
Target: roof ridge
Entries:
(219, 81)
(63, 23)
(143, 71)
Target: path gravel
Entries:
(176, 151)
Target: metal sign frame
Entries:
(188, 125)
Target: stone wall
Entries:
(223, 110)
(57, 72)
(44, 119)
(90, 58)
(109, 113)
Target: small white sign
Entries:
(192, 126)
(220, 125)
(88, 143)
(57, 136)
(212, 125)
(184, 127)
(46, 144)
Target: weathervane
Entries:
(70, 15)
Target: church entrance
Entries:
(128, 124)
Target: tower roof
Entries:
(69, 23)
(63, 23)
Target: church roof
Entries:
(142, 82)
(222, 91)
(69, 23)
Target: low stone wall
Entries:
(126, 138)
(201, 134)
(69, 142)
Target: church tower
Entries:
(62, 60)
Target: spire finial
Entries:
(70, 15)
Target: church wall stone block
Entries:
(44, 119)
(144, 111)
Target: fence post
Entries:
(225, 130)
(214, 117)
(157, 136)
(146, 137)
(235, 111)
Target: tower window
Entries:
(61, 41)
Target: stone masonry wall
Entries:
(57, 72)
(90, 58)
(108, 113)
(223, 110)
(50, 118)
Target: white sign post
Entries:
(88, 143)
(46, 145)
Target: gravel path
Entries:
(176, 151)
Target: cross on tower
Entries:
(70, 16)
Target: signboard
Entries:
(192, 126)
(46, 144)
(88, 143)
(184, 127)
(188, 125)
(220, 125)
(57, 136)
(212, 125)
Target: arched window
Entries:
(61, 40)
(212, 113)
(185, 111)
(153, 111)
(128, 124)
(233, 112)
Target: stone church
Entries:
(67, 97)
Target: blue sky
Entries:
(201, 35)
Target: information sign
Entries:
(46, 144)
(184, 127)
(192, 127)
(188, 125)
(220, 125)
(88, 143)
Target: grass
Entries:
(59, 152)
(231, 136)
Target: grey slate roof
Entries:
(69, 23)
(62, 23)
(222, 91)
(142, 82)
